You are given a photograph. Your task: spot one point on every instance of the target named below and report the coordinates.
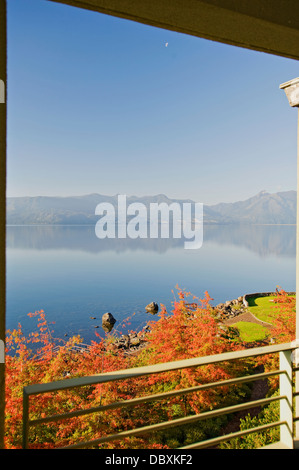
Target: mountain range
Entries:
(263, 208)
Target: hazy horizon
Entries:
(143, 196)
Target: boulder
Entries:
(152, 308)
(134, 340)
(108, 322)
(220, 306)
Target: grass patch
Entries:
(251, 331)
(262, 307)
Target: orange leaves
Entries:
(284, 317)
(190, 330)
(39, 312)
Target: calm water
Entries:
(72, 275)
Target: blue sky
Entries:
(98, 104)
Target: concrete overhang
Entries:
(270, 26)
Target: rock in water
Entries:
(108, 322)
(152, 308)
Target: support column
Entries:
(291, 89)
(286, 405)
(297, 289)
(3, 120)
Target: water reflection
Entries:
(75, 277)
(264, 240)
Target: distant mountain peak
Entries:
(263, 193)
(263, 208)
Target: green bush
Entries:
(256, 440)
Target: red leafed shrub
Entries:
(284, 328)
(284, 317)
(190, 330)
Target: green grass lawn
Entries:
(262, 307)
(251, 331)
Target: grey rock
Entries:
(152, 308)
(108, 322)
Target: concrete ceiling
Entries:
(270, 26)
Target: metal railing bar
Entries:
(176, 422)
(227, 437)
(140, 400)
(153, 369)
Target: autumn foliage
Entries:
(283, 319)
(190, 330)
(283, 316)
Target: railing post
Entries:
(286, 405)
(25, 419)
(291, 89)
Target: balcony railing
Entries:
(286, 371)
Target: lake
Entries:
(72, 275)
